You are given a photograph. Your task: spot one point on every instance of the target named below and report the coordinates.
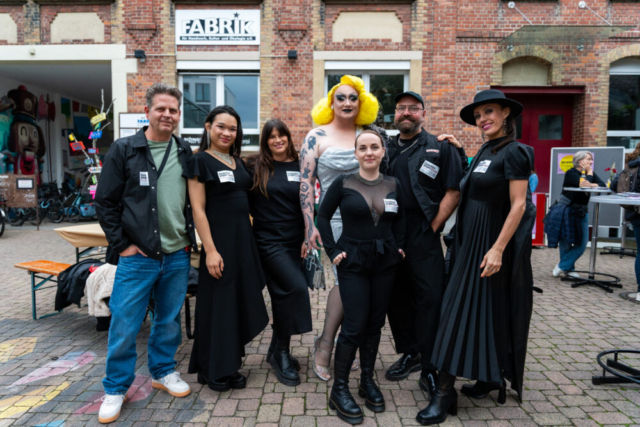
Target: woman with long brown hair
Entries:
(278, 227)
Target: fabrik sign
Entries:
(231, 27)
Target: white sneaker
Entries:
(556, 271)
(573, 274)
(638, 297)
(172, 384)
(110, 408)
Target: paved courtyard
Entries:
(51, 369)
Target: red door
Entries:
(546, 122)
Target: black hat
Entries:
(411, 94)
(490, 96)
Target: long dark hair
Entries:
(510, 133)
(236, 148)
(263, 162)
(633, 155)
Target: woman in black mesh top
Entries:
(366, 255)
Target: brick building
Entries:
(576, 68)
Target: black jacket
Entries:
(430, 191)
(71, 283)
(128, 211)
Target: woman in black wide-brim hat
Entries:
(486, 310)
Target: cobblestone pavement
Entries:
(50, 370)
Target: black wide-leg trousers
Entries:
(414, 309)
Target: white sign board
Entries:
(133, 120)
(218, 27)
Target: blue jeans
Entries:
(636, 230)
(570, 254)
(137, 279)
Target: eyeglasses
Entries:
(412, 109)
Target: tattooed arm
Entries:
(308, 173)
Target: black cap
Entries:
(411, 94)
(489, 96)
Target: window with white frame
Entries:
(202, 92)
(623, 125)
(384, 84)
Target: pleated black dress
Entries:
(230, 311)
(475, 339)
(278, 227)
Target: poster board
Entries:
(603, 158)
(20, 191)
(131, 123)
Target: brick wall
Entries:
(459, 40)
(17, 14)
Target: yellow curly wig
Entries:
(322, 113)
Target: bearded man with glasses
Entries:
(429, 170)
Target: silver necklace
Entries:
(227, 158)
(412, 144)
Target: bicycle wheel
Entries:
(35, 215)
(73, 214)
(15, 216)
(2, 221)
(55, 212)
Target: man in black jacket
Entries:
(429, 171)
(144, 210)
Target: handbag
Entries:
(313, 271)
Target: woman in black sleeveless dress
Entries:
(279, 230)
(484, 321)
(230, 309)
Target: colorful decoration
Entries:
(612, 172)
(26, 145)
(13, 406)
(95, 135)
(12, 349)
(139, 390)
(68, 362)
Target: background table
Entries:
(90, 236)
(606, 281)
(86, 236)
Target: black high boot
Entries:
(481, 389)
(282, 363)
(341, 399)
(444, 401)
(272, 347)
(368, 387)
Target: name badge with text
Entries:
(482, 166)
(390, 205)
(293, 176)
(144, 179)
(226, 176)
(429, 169)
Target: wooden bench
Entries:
(45, 271)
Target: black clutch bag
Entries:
(313, 271)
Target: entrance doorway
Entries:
(546, 122)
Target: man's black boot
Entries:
(282, 364)
(341, 399)
(272, 347)
(428, 381)
(368, 387)
(445, 401)
(403, 367)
